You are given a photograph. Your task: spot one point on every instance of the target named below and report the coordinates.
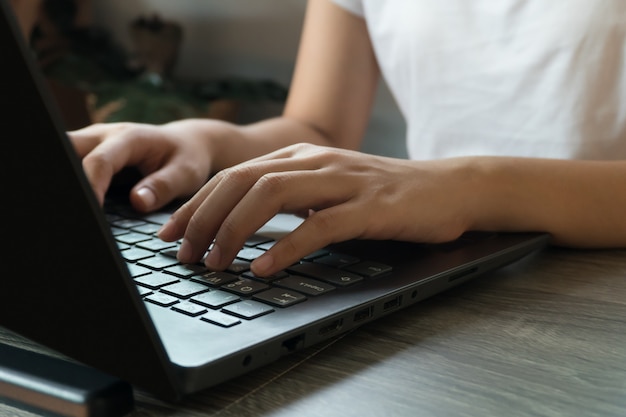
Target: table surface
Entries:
(543, 337)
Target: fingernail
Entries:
(147, 197)
(262, 264)
(214, 258)
(184, 252)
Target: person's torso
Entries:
(506, 77)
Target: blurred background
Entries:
(158, 60)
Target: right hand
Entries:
(174, 159)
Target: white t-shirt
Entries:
(542, 78)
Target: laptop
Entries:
(93, 284)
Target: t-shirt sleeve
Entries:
(353, 6)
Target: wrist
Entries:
(505, 195)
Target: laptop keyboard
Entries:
(225, 298)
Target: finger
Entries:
(161, 187)
(274, 193)
(104, 161)
(87, 138)
(248, 172)
(199, 218)
(320, 229)
(175, 180)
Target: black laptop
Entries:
(95, 284)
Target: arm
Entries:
(581, 203)
(330, 96)
(354, 195)
(332, 89)
(329, 102)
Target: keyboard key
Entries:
(248, 309)
(185, 270)
(316, 254)
(137, 271)
(135, 254)
(147, 228)
(118, 231)
(304, 285)
(184, 289)
(255, 240)
(245, 286)
(337, 260)
(369, 269)
(157, 217)
(269, 278)
(215, 278)
(280, 297)
(161, 299)
(238, 266)
(158, 262)
(266, 245)
(325, 273)
(156, 245)
(122, 246)
(132, 238)
(156, 280)
(128, 223)
(249, 254)
(171, 252)
(189, 309)
(215, 299)
(220, 319)
(143, 291)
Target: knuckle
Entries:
(230, 235)
(195, 227)
(191, 173)
(183, 212)
(228, 228)
(298, 147)
(219, 176)
(272, 183)
(96, 162)
(323, 221)
(288, 248)
(238, 174)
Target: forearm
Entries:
(581, 203)
(330, 97)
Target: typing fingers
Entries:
(200, 218)
(236, 203)
(319, 229)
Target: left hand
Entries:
(348, 194)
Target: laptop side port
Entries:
(294, 343)
(364, 314)
(333, 326)
(392, 303)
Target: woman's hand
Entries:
(175, 159)
(347, 194)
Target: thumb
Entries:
(144, 198)
(161, 187)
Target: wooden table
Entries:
(543, 337)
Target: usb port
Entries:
(393, 303)
(363, 314)
(331, 327)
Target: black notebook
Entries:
(94, 284)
